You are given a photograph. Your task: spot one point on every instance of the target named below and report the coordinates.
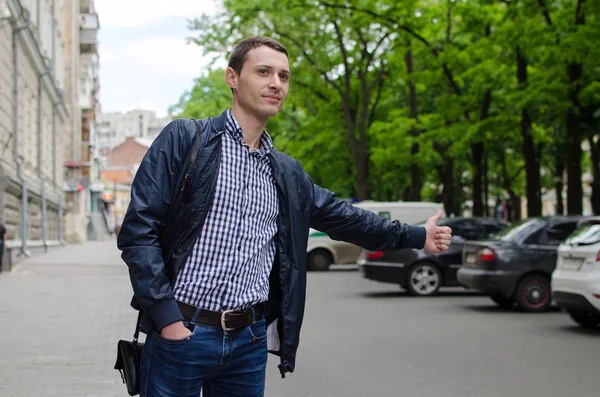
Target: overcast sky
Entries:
(144, 59)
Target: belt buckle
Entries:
(223, 314)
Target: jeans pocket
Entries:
(258, 330)
(171, 342)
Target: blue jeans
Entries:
(220, 364)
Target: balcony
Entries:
(88, 33)
(86, 6)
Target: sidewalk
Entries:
(61, 315)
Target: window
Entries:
(491, 228)
(552, 234)
(557, 233)
(466, 229)
(385, 214)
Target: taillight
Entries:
(374, 255)
(598, 257)
(486, 255)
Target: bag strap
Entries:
(138, 325)
(173, 208)
(184, 181)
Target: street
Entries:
(62, 313)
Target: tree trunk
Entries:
(362, 172)
(449, 192)
(530, 154)
(559, 182)
(595, 153)
(477, 153)
(514, 202)
(574, 188)
(486, 187)
(574, 74)
(415, 169)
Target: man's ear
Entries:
(231, 78)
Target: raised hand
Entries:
(438, 237)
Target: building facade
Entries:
(82, 188)
(118, 173)
(33, 115)
(115, 128)
(48, 102)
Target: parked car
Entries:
(515, 266)
(422, 273)
(576, 280)
(323, 251)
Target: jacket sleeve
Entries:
(346, 222)
(152, 191)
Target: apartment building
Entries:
(115, 128)
(48, 102)
(33, 115)
(82, 188)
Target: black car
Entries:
(516, 265)
(422, 273)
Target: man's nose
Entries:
(275, 83)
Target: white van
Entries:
(323, 251)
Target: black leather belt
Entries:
(228, 320)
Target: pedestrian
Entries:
(2, 239)
(228, 284)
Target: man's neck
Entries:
(252, 127)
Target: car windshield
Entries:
(515, 230)
(584, 235)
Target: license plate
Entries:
(470, 258)
(572, 263)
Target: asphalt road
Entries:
(62, 313)
(363, 338)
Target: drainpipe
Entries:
(44, 215)
(61, 218)
(16, 31)
(59, 189)
(74, 26)
(18, 159)
(39, 156)
(53, 21)
(24, 208)
(54, 144)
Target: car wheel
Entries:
(319, 260)
(424, 279)
(585, 319)
(503, 302)
(533, 294)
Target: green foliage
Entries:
(462, 51)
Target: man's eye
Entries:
(262, 71)
(284, 77)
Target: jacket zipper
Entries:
(283, 249)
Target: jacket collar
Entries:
(219, 122)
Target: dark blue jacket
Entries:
(302, 204)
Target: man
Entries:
(234, 260)
(2, 239)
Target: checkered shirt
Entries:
(231, 260)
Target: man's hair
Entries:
(240, 52)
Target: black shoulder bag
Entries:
(129, 352)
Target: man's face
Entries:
(263, 84)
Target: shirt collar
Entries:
(232, 127)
